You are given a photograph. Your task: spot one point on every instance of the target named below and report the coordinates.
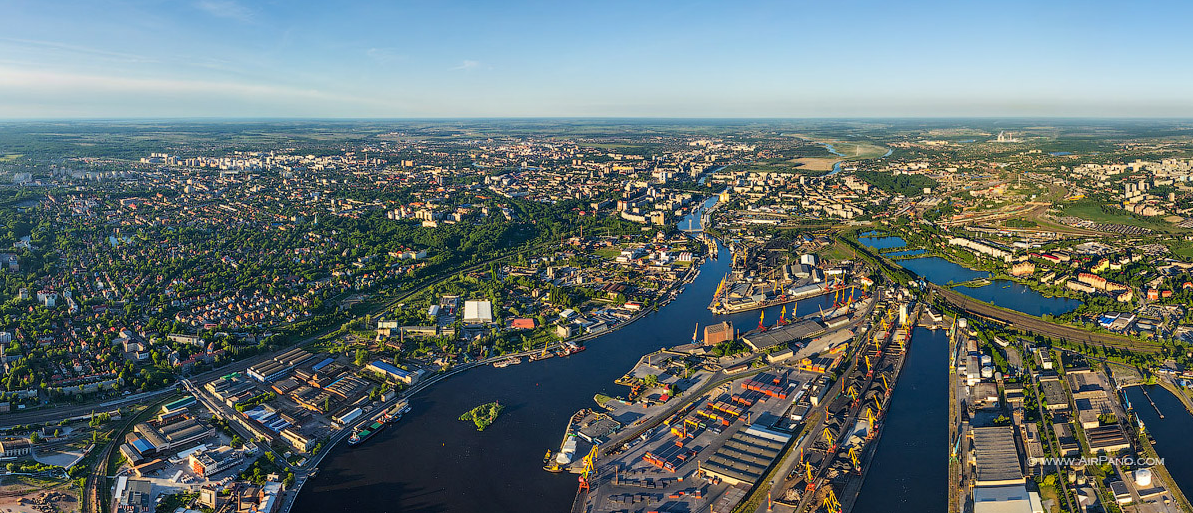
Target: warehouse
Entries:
(393, 372)
(995, 457)
(744, 458)
(762, 340)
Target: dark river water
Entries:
(430, 461)
(1004, 293)
(910, 469)
(1171, 433)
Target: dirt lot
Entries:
(20, 497)
(816, 163)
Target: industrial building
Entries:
(1006, 499)
(14, 447)
(277, 367)
(717, 333)
(393, 372)
(763, 340)
(478, 312)
(1107, 438)
(745, 457)
(165, 437)
(134, 496)
(995, 457)
(209, 463)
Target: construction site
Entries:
(789, 425)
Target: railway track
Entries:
(1024, 322)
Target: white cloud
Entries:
(225, 9)
(467, 65)
(50, 94)
(54, 46)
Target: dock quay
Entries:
(726, 442)
(1149, 399)
(832, 467)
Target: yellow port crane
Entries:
(870, 419)
(853, 456)
(851, 392)
(720, 286)
(809, 476)
(831, 504)
(830, 440)
(589, 471)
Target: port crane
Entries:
(589, 471)
(830, 440)
(853, 456)
(870, 420)
(809, 476)
(831, 504)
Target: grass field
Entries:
(10, 157)
(858, 150)
(611, 252)
(1182, 248)
(1092, 210)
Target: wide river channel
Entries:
(430, 461)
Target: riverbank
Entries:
(538, 398)
(311, 467)
(1164, 436)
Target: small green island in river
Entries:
(483, 415)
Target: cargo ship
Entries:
(569, 349)
(541, 356)
(364, 434)
(395, 414)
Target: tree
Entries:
(651, 380)
(362, 357)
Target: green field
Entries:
(611, 252)
(1182, 248)
(10, 157)
(859, 150)
(1092, 210)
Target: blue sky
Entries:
(443, 58)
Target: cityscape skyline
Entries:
(222, 58)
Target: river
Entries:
(431, 462)
(1004, 293)
(1171, 433)
(910, 467)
